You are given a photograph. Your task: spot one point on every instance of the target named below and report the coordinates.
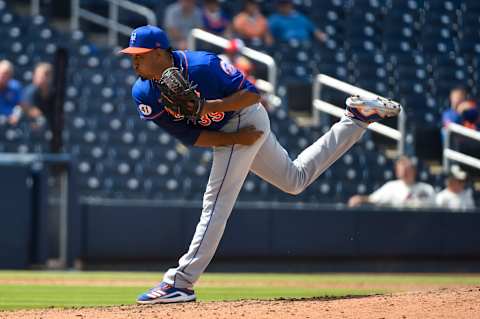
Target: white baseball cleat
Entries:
(166, 293)
(371, 109)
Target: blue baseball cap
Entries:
(145, 39)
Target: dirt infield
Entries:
(440, 303)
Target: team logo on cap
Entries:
(133, 37)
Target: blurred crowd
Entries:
(33, 102)
(249, 24)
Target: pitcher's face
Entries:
(150, 65)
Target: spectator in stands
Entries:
(457, 95)
(215, 20)
(463, 112)
(403, 192)
(288, 24)
(455, 196)
(469, 114)
(38, 97)
(251, 25)
(10, 94)
(181, 17)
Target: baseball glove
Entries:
(179, 95)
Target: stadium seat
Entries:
(412, 50)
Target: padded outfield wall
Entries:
(327, 238)
(323, 238)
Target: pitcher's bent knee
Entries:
(295, 183)
(294, 189)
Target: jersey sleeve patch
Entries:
(146, 110)
(146, 100)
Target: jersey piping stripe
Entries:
(241, 83)
(213, 209)
(186, 63)
(153, 116)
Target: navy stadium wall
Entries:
(111, 232)
(16, 218)
(357, 239)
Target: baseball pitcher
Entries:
(206, 102)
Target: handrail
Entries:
(462, 130)
(34, 7)
(248, 52)
(319, 105)
(110, 22)
(450, 154)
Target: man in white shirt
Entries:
(455, 196)
(403, 192)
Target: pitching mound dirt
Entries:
(449, 303)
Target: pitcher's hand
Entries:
(247, 135)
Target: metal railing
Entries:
(35, 7)
(450, 154)
(267, 86)
(318, 105)
(110, 22)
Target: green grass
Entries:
(24, 297)
(216, 287)
(308, 278)
(427, 279)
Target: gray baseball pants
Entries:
(267, 159)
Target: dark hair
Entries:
(405, 160)
(247, 2)
(459, 88)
